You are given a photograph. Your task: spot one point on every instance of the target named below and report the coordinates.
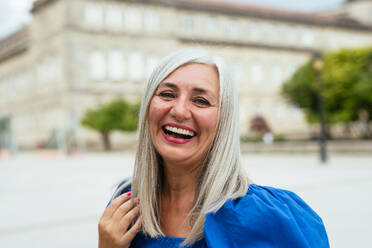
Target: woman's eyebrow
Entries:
(200, 90)
(170, 85)
(203, 91)
(195, 90)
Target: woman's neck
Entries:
(180, 181)
(177, 199)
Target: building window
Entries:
(151, 20)
(233, 29)
(132, 19)
(253, 31)
(151, 62)
(276, 73)
(211, 25)
(291, 35)
(116, 67)
(113, 18)
(236, 71)
(256, 72)
(93, 15)
(135, 65)
(291, 69)
(97, 65)
(307, 37)
(188, 23)
(272, 32)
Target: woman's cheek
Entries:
(207, 119)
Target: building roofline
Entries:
(258, 12)
(14, 44)
(331, 19)
(38, 4)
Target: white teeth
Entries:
(180, 131)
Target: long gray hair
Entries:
(222, 177)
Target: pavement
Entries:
(57, 202)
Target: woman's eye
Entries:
(167, 94)
(202, 101)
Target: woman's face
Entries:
(183, 114)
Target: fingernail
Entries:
(129, 194)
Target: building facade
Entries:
(77, 54)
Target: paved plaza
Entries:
(49, 202)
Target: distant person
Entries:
(189, 187)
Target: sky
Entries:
(15, 13)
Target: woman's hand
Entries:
(113, 225)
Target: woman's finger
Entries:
(115, 204)
(131, 233)
(128, 218)
(123, 209)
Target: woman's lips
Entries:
(175, 140)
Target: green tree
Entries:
(347, 76)
(115, 115)
(301, 90)
(347, 88)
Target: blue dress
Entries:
(264, 217)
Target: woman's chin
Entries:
(174, 156)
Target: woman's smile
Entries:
(183, 113)
(178, 134)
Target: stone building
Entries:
(78, 53)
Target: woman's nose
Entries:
(180, 110)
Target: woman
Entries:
(188, 176)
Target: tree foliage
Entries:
(117, 115)
(301, 90)
(348, 79)
(347, 87)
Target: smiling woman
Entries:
(184, 110)
(188, 176)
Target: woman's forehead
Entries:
(195, 75)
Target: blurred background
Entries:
(72, 73)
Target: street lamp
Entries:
(318, 65)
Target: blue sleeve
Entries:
(125, 190)
(265, 217)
